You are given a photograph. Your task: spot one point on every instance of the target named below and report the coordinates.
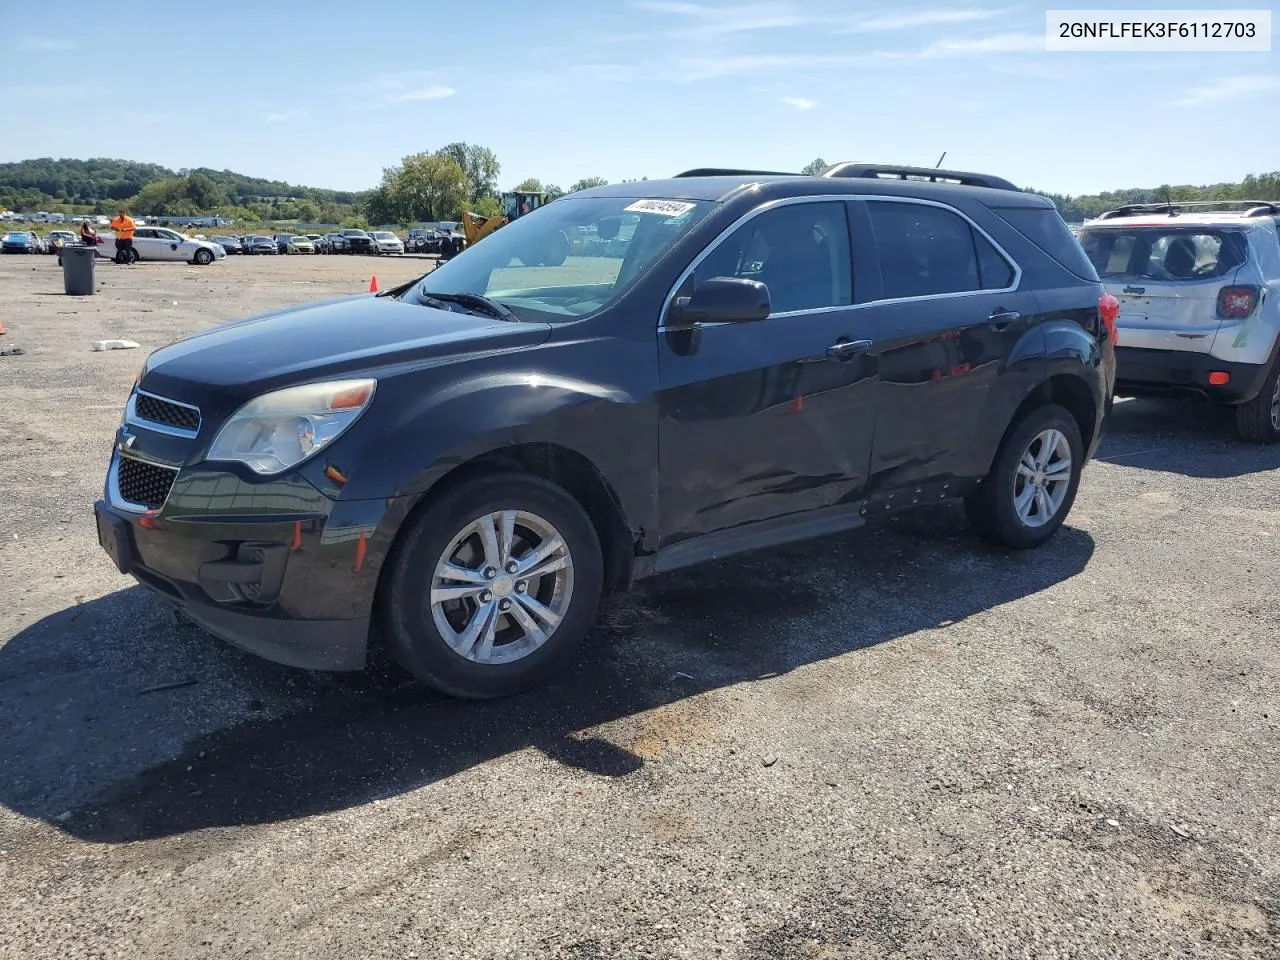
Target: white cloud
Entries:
(144, 119)
(282, 115)
(980, 46)
(1229, 88)
(741, 18)
(800, 103)
(46, 45)
(434, 92)
(916, 19)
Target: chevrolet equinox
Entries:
(629, 380)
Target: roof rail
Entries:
(728, 172)
(1257, 208)
(931, 174)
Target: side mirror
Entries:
(722, 300)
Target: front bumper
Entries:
(294, 586)
(1144, 372)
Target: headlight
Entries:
(279, 430)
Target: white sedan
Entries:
(161, 243)
(387, 242)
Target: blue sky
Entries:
(623, 88)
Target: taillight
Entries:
(1236, 303)
(1109, 310)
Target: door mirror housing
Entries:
(722, 300)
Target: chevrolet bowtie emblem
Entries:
(125, 440)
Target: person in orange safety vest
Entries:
(124, 226)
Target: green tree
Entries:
(814, 167)
(587, 183)
(423, 186)
(308, 212)
(531, 185)
(486, 207)
(203, 192)
(553, 192)
(478, 164)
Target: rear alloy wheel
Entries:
(1258, 421)
(204, 257)
(494, 587)
(1027, 495)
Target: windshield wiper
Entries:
(472, 301)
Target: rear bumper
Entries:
(1142, 372)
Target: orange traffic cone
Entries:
(1, 329)
(373, 284)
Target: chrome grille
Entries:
(158, 410)
(143, 483)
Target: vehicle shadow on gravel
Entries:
(1184, 437)
(117, 724)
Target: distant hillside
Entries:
(47, 184)
(1265, 186)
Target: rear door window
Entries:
(927, 251)
(1163, 253)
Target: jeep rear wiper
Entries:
(473, 301)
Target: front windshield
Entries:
(570, 258)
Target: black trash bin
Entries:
(77, 270)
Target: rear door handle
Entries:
(1001, 318)
(847, 349)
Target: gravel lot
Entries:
(894, 743)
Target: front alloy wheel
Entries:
(502, 587)
(492, 586)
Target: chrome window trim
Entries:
(116, 499)
(131, 416)
(840, 198)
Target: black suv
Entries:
(471, 459)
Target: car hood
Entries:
(334, 338)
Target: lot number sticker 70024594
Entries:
(664, 208)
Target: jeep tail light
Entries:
(1109, 310)
(1236, 303)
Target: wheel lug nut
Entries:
(504, 605)
(490, 573)
(512, 566)
(521, 587)
(486, 597)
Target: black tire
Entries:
(991, 509)
(203, 257)
(405, 611)
(1258, 421)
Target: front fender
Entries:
(436, 431)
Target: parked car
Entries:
(1199, 294)
(57, 238)
(161, 243)
(229, 244)
(387, 242)
(423, 240)
(20, 241)
(472, 458)
(260, 245)
(357, 241)
(316, 240)
(282, 242)
(299, 244)
(335, 243)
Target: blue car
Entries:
(19, 242)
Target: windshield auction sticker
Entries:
(1206, 31)
(664, 208)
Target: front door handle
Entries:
(1001, 318)
(847, 349)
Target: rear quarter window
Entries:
(1160, 253)
(1044, 227)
